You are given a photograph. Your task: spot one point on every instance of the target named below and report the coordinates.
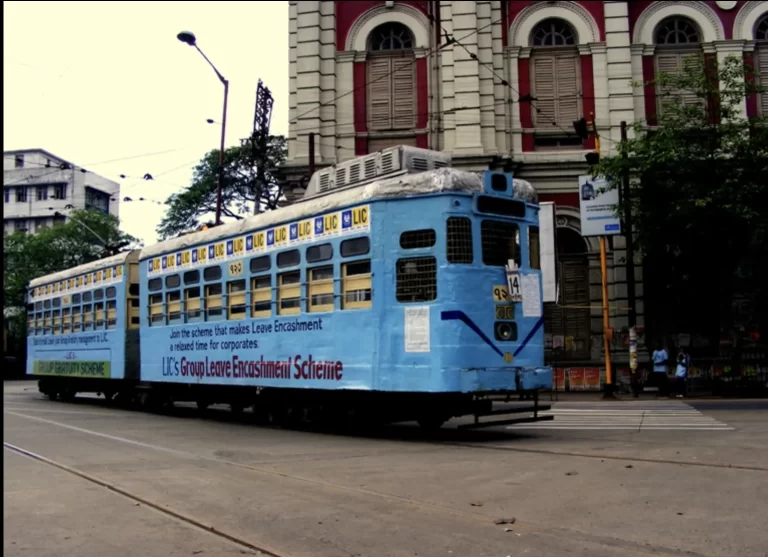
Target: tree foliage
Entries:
(243, 191)
(85, 237)
(699, 193)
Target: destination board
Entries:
(88, 281)
(331, 225)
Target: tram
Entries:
(383, 293)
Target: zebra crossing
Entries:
(626, 416)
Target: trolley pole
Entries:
(606, 320)
(627, 201)
(311, 153)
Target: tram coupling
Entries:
(484, 409)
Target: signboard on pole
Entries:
(547, 251)
(514, 287)
(598, 208)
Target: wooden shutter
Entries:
(377, 144)
(571, 316)
(543, 80)
(403, 98)
(567, 81)
(556, 87)
(761, 65)
(379, 93)
(391, 93)
(672, 63)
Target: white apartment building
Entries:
(40, 189)
(365, 75)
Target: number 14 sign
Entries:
(513, 282)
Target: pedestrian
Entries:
(660, 360)
(681, 373)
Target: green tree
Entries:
(699, 197)
(86, 236)
(243, 191)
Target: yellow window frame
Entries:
(288, 291)
(192, 303)
(87, 315)
(173, 304)
(356, 283)
(77, 319)
(56, 322)
(319, 284)
(98, 310)
(236, 300)
(155, 308)
(46, 322)
(213, 302)
(111, 314)
(66, 318)
(261, 292)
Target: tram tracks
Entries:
(476, 517)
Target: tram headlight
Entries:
(505, 331)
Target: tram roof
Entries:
(110, 261)
(432, 181)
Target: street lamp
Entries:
(189, 38)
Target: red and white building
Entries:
(365, 75)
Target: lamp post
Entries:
(189, 38)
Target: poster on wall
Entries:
(598, 207)
(547, 251)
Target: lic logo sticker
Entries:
(294, 232)
(319, 225)
(346, 220)
(271, 237)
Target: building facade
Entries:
(506, 88)
(40, 189)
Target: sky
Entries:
(109, 80)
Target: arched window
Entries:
(391, 78)
(761, 62)
(555, 83)
(678, 43)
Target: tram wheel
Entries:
(53, 396)
(67, 395)
(202, 405)
(431, 423)
(237, 408)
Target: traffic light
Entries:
(583, 129)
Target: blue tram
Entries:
(398, 288)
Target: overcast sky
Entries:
(98, 81)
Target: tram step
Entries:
(519, 410)
(496, 423)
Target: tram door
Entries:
(568, 321)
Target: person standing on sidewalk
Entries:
(681, 373)
(659, 376)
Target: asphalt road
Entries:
(603, 479)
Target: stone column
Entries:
(736, 48)
(512, 119)
(618, 67)
(308, 81)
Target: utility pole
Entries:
(260, 139)
(627, 201)
(311, 153)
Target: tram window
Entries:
(111, 292)
(87, 316)
(38, 306)
(47, 304)
(172, 281)
(46, 322)
(38, 323)
(87, 296)
(355, 246)
(288, 258)
(191, 277)
(155, 308)
(192, 302)
(320, 295)
(261, 295)
(133, 290)
(459, 247)
(356, 285)
(111, 314)
(56, 302)
(76, 299)
(534, 251)
(155, 284)
(416, 279)
(289, 293)
(236, 299)
(30, 319)
(56, 322)
(173, 304)
(418, 239)
(323, 252)
(66, 320)
(501, 206)
(213, 305)
(98, 310)
(212, 273)
(77, 319)
(261, 264)
(98, 295)
(501, 242)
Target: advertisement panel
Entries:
(598, 207)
